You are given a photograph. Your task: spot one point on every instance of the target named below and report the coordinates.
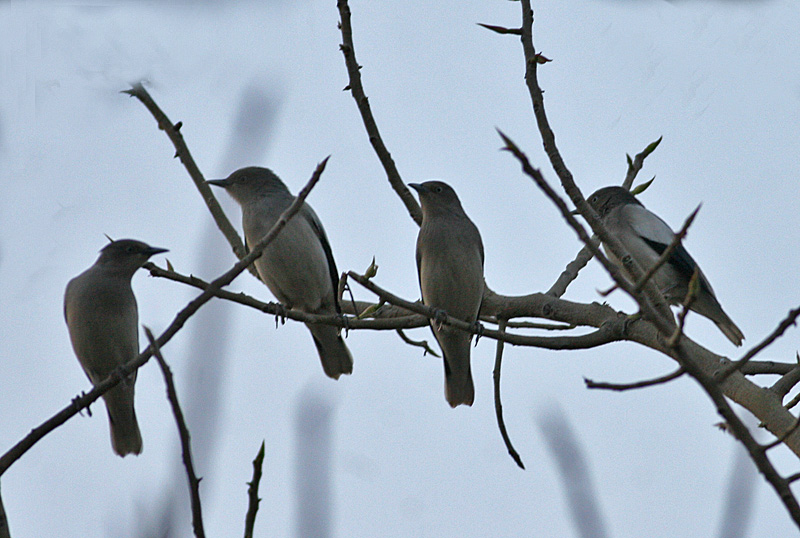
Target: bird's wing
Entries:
(308, 214)
(658, 236)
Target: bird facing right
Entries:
(450, 269)
(103, 322)
(645, 236)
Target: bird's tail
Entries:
(729, 329)
(708, 306)
(458, 387)
(125, 435)
(336, 358)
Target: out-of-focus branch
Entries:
(5, 532)
(182, 152)
(357, 91)
(183, 431)
(84, 400)
(252, 494)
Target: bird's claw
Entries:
(439, 317)
(280, 314)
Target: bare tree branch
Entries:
(357, 91)
(787, 322)
(182, 151)
(637, 385)
(5, 532)
(183, 431)
(252, 494)
(498, 404)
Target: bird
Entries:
(645, 236)
(103, 322)
(298, 265)
(450, 270)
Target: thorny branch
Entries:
(183, 431)
(252, 494)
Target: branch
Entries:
(608, 332)
(638, 385)
(636, 164)
(788, 321)
(186, 444)
(783, 385)
(498, 404)
(388, 320)
(652, 302)
(182, 151)
(357, 91)
(5, 532)
(676, 240)
(84, 400)
(418, 343)
(252, 494)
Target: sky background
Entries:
(260, 83)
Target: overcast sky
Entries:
(719, 81)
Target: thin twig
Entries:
(676, 240)
(417, 343)
(408, 320)
(357, 91)
(787, 381)
(691, 295)
(252, 494)
(787, 322)
(182, 151)
(498, 404)
(85, 399)
(637, 385)
(636, 164)
(183, 431)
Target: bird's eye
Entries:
(129, 249)
(593, 200)
(438, 189)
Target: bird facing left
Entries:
(103, 322)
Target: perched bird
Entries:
(645, 236)
(297, 266)
(450, 269)
(103, 323)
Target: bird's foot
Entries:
(280, 314)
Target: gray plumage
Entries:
(103, 323)
(450, 269)
(298, 265)
(645, 236)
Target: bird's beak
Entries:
(218, 182)
(418, 187)
(152, 251)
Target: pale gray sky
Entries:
(718, 80)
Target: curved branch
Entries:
(357, 91)
(182, 151)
